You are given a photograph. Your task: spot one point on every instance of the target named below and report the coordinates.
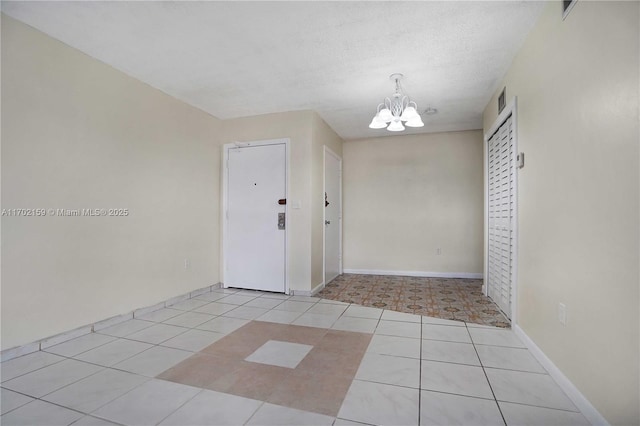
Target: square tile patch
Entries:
(300, 367)
(282, 354)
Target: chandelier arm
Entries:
(396, 109)
(405, 102)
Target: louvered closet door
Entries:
(501, 216)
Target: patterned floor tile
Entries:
(448, 298)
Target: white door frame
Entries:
(328, 151)
(509, 110)
(225, 202)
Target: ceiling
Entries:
(237, 59)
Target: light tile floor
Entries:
(415, 370)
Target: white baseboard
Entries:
(474, 275)
(311, 292)
(63, 337)
(8, 354)
(178, 299)
(38, 345)
(579, 400)
(144, 311)
(200, 291)
(317, 289)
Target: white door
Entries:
(255, 241)
(332, 216)
(501, 168)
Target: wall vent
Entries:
(502, 100)
(567, 5)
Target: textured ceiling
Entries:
(236, 59)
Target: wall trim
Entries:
(97, 326)
(8, 354)
(580, 401)
(474, 275)
(310, 293)
(49, 341)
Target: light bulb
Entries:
(377, 123)
(409, 113)
(415, 122)
(395, 126)
(385, 115)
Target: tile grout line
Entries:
(41, 398)
(81, 352)
(13, 409)
(181, 405)
(112, 367)
(95, 417)
(254, 413)
(47, 402)
(66, 358)
(117, 397)
(37, 369)
(486, 376)
(111, 400)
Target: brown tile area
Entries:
(338, 353)
(448, 298)
(319, 383)
(318, 392)
(250, 380)
(337, 340)
(200, 370)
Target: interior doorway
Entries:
(332, 215)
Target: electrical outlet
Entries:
(562, 313)
(438, 251)
(187, 264)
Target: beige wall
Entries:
(577, 87)
(323, 135)
(78, 134)
(297, 126)
(406, 196)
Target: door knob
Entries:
(327, 222)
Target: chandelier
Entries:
(396, 109)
